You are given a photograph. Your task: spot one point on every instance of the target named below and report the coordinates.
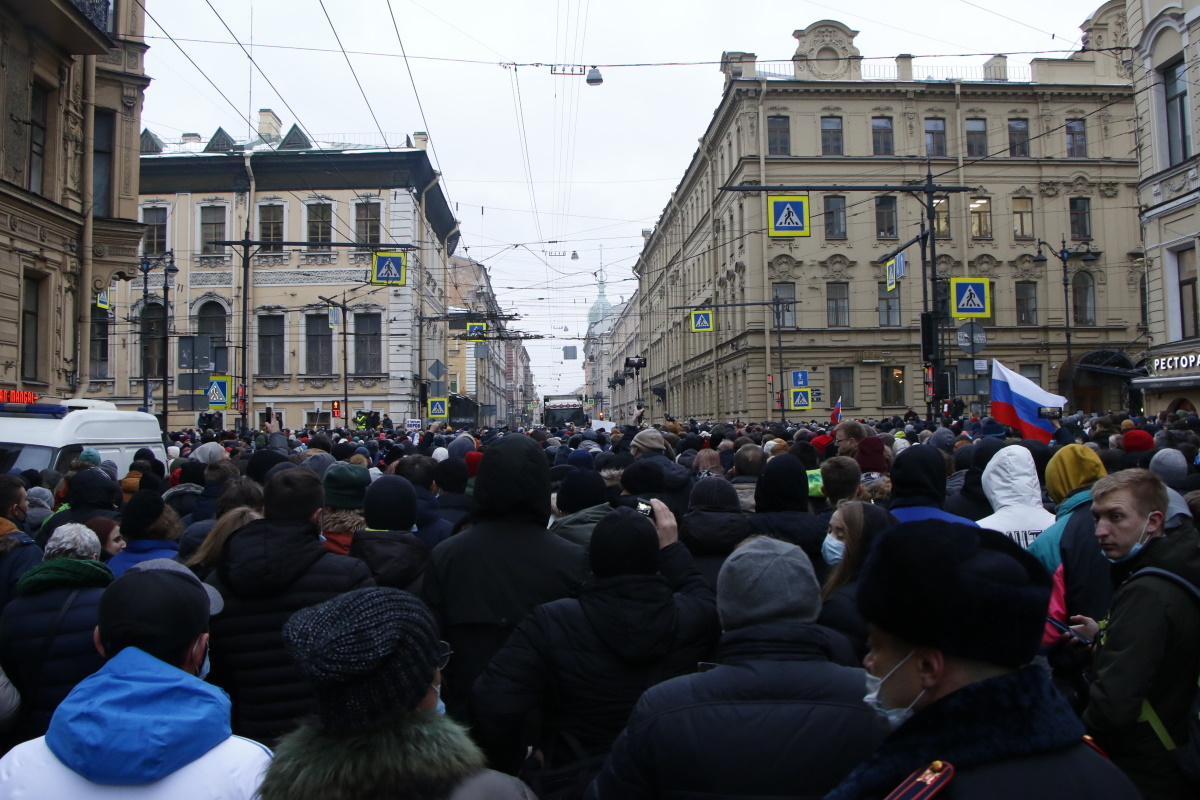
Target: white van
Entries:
(37, 436)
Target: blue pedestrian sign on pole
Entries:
(787, 215)
(801, 399)
(702, 321)
(799, 379)
(438, 407)
(972, 297)
(389, 269)
(218, 392)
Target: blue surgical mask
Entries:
(833, 549)
(895, 717)
(441, 707)
(203, 673)
(1137, 546)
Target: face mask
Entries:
(833, 549)
(1137, 546)
(441, 707)
(203, 673)
(895, 717)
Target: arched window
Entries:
(1084, 298)
(1142, 300)
(154, 320)
(211, 319)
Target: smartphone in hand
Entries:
(1065, 628)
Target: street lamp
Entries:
(169, 273)
(1065, 254)
(168, 259)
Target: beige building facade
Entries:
(1164, 38)
(1048, 155)
(478, 370)
(316, 212)
(72, 86)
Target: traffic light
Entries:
(337, 409)
(929, 337)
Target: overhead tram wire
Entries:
(354, 74)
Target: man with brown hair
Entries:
(1147, 652)
(847, 435)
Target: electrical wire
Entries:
(353, 73)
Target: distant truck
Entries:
(560, 409)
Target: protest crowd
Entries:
(847, 609)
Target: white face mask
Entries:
(1137, 546)
(833, 549)
(895, 716)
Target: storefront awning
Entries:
(1158, 382)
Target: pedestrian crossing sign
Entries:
(787, 215)
(389, 269)
(102, 300)
(476, 331)
(218, 392)
(801, 399)
(972, 297)
(702, 322)
(891, 275)
(438, 406)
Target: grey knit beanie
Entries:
(1170, 465)
(372, 654)
(766, 580)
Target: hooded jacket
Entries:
(1011, 484)
(578, 527)
(972, 501)
(482, 582)
(919, 486)
(1069, 476)
(396, 558)
(584, 662)
(90, 493)
(18, 554)
(142, 725)
(711, 534)
(268, 570)
(781, 508)
(183, 498)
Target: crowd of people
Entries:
(852, 609)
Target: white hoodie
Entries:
(1011, 484)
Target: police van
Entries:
(50, 436)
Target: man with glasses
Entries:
(847, 435)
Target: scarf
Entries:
(75, 573)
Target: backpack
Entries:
(1187, 755)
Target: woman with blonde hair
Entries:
(205, 559)
(852, 530)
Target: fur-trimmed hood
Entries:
(421, 756)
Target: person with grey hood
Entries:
(40, 501)
(461, 446)
(781, 713)
(483, 581)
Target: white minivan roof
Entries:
(92, 426)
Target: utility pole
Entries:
(345, 313)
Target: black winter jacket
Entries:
(840, 612)
(453, 507)
(268, 570)
(971, 502)
(711, 535)
(18, 554)
(485, 580)
(797, 527)
(26, 623)
(1087, 574)
(396, 558)
(90, 493)
(776, 719)
(585, 662)
(183, 498)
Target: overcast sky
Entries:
(603, 160)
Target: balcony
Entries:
(78, 26)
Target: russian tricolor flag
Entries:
(836, 416)
(1016, 400)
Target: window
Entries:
(935, 137)
(889, 306)
(317, 419)
(835, 217)
(102, 163)
(318, 344)
(1144, 317)
(1076, 138)
(1022, 217)
(154, 320)
(98, 360)
(779, 136)
(991, 318)
(31, 305)
(366, 223)
(368, 344)
(1189, 301)
(1083, 290)
(1175, 95)
(885, 217)
(212, 321)
(320, 225)
(891, 386)
(212, 229)
(154, 240)
(453, 383)
(941, 217)
(1018, 138)
(841, 386)
(831, 136)
(270, 345)
(837, 305)
(785, 291)
(38, 123)
(882, 141)
(969, 381)
(1081, 217)
(981, 218)
(1031, 371)
(270, 227)
(1026, 303)
(977, 146)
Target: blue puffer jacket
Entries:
(776, 719)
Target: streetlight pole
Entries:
(169, 273)
(145, 267)
(1065, 254)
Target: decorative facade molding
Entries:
(289, 277)
(210, 279)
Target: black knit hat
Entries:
(140, 513)
(390, 504)
(580, 489)
(260, 462)
(964, 590)
(345, 485)
(624, 542)
(372, 654)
